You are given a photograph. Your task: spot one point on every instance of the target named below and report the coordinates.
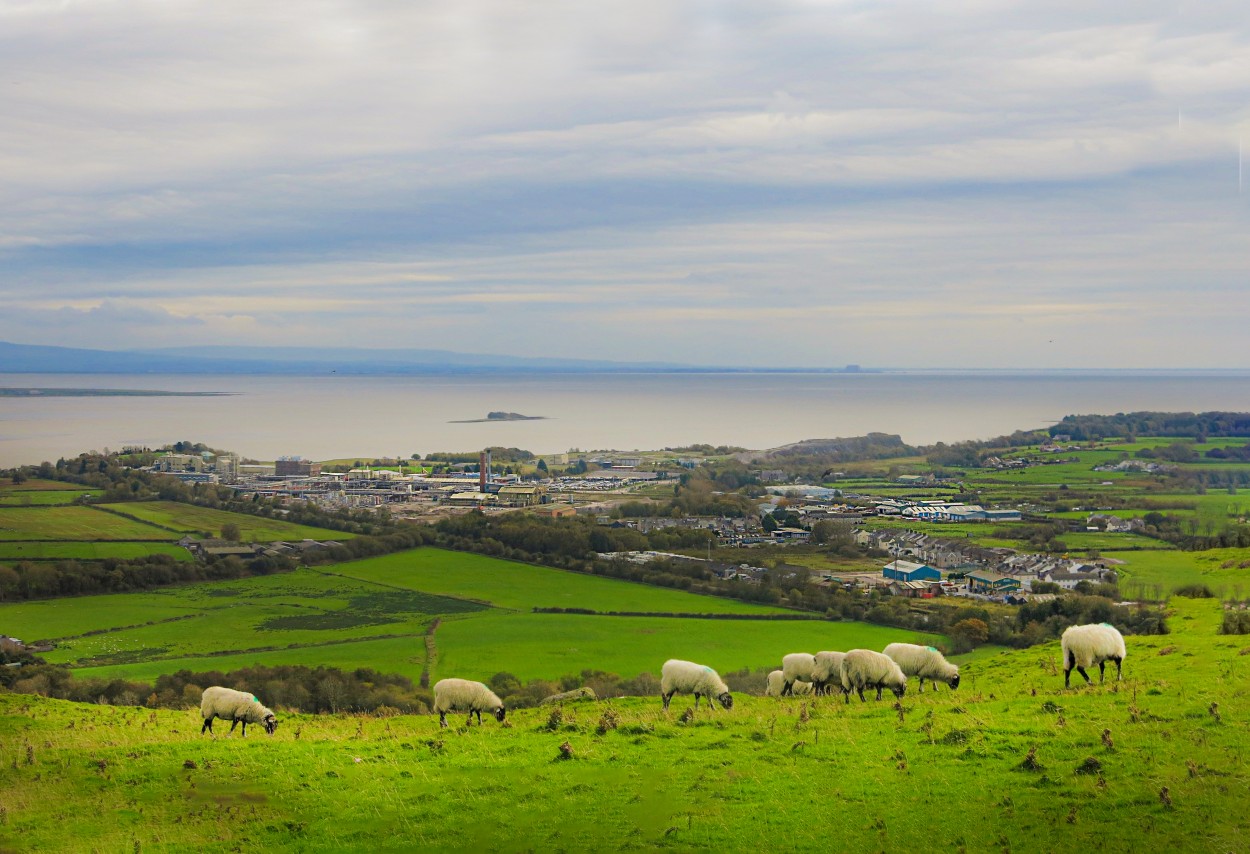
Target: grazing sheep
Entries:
(1085, 646)
(687, 677)
(795, 667)
(864, 668)
(776, 682)
(925, 662)
(461, 695)
(237, 707)
(827, 672)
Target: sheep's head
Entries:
(270, 723)
(954, 683)
(899, 690)
(499, 713)
(726, 700)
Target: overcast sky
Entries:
(1050, 184)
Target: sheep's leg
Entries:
(208, 725)
(1102, 671)
(478, 712)
(1118, 663)
(442, 720)
(878, 692)
(666, 698)
(244, 728)
(1067, 670)
(234, 722)
(862, 698)
(1081, 670)
(922, 685)
(787, 688)
(696, 700)
(469, 721)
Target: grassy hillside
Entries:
(1010, 761)
(375, 613)
(190, 519)
(73, 523)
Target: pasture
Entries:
(16, 550)
(190, 519)
(375, 612)
(73, 523)
(44, 497)
(1010, 761)
(508, 584)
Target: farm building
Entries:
(983, 581)
(555, 511)
(905, 570)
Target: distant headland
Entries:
(105, 392)
(501, 416)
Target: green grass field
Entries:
(507, 584)
(73, 523)
(1011, 761)
(190, 519)
(1218, 568)
(43, 497)
(551, 645)
(373, 613)
(16, 550)
(39, 485)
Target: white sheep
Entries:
(1085, 646)
(864, 668)
(827, 671)
(776, 682)
(795, 667)
(687, 677)
(237, 707)
(461, 695)
(925, 662)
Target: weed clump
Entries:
(955, 736)
(566, 752)
(687, 716)
(1089, 766)
(1051, 707)
(1106, 740)
(1030, 762)
(556, 719)
(609, 720)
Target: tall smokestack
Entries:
(481, 471)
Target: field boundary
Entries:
(431, 652)
(683, 615)
(133, 518)
(225, 653)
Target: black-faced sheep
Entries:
(865, 668)
(796, 667)
(777, 682)
(1085, 646)
(235, 706)
(461, 695)
(924, 662)
(827, 672)
(686, 677)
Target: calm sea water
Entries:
(328, 417)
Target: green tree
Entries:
(969, 634)
(230, 531)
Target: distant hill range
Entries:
(25, 358)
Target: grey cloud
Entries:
(358, 165)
